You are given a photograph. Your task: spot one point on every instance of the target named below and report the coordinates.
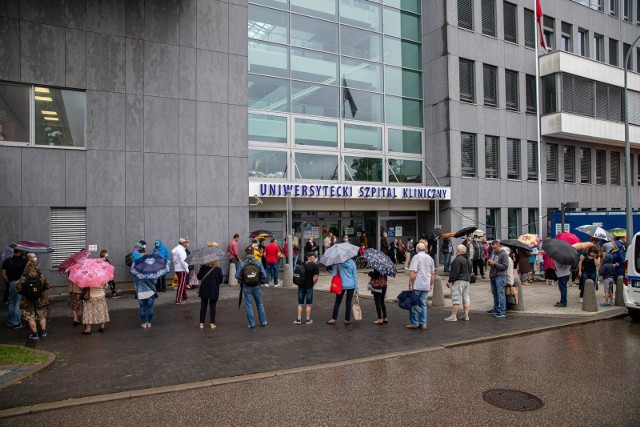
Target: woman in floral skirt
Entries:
(95, 310)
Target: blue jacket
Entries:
(242, 263)
(618, 257)
(349, 274)
(163, 251)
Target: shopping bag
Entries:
(336, 283)
(193, 279)
(174, 284)
(356, 310)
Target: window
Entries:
(267, 164)
(566, 39)
(615, 168)
(569, 154)
(577, 95)
(583, 36)
(316, 166)
(465, 14)
(404, 141)
(360, 44)
(613, 7)
(626, 48)
(405, 171)
(469, 217)
(367, 169)
(638, 12)
(366, 75)
(529, 29)
(315, 99)
(601, 167)
(513, 159)
(552, 162)
(490, 74)
(313, 33)
(268, 93)
(613, 52)
(549, 96)
(510, 22)
(626, 10)
(402, 82)
(362, 137)
(533, 221)
(532, 102)
(68, 233)
(401, 24)
(513, 219)
(549, 32)
(511, 89)
(263, 128)
(14, 113)
(403, 111)
(467, 79)
(585, 165)
(314, 66)
(327, 9)
(598, 47)
(468, 154)
(492, 157)
(489, 17)
(316, 133)
(532, 160)
(268, 24)
(609, 102)
(493, 223)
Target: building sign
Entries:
(93, 248)
(567, 228)
(347, 191)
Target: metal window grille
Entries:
(626, 9)
(601, 167)
(465, 14)
(489, 17)
(529, 28)
(585, 165)
(490, 85)
(532, 160)
(510, 22)
(609, 102)
(492, 156)
(638, 54)
(634, 107)
(511, 89)
(549, 95)
(577, 95)
(569, 154)
(513, 159)
(467, 78)
(613, 52)
(552, 162)
(615, 168)
(68, 233)
(468, 154)
(531, 93)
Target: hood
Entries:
(607, 259)
(159, 241)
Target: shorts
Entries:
(608, 285)
(305, 293)
(31, 313)
(460, 292)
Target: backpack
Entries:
(300, 275)
(251, 274)
(128, 260)
(33, 288)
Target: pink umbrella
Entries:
(91, 273)
(570, 238)
(68, 263)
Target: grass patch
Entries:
(14, 355)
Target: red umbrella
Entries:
(91, 273)
(73, 260)
(32, 246)
(570, 238)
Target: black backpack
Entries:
(33, 288)
(300, 275)
(128, 260)
(251, 273)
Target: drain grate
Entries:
(512, 400)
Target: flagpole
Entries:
(540, 232)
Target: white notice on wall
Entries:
(93, 248)
(398, 230)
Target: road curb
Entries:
(51, 357)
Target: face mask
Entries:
(157, 245)
(106, 255)
(35, 260)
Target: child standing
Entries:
(607, 272)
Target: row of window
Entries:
(614, 7)
(492, 223)
(331, 9)
(489, 17)
(492, 155)
(585, 154)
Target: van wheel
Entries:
(635, 314)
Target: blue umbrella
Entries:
(7, 252)
(339, 253)
(151, 266)
(380, 262)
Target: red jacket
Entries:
(271, 253)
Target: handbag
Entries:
(174, 283)
(472, 279)
(86, 294)
(336, 283)
(379, 283)
(356, 310)
(193, 279)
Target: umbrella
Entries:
(434, 234)
(465, 231)
(261, 233)
(7, 252)
(560, 251)
(515, 244)
(618, 232)
(448, 235)
(570, 238)
(339, 253)
(66, 265)
(206, 255)
(478, 233)
(532, 240)
(32, 246)
(91, 273)
(596, 231)
(380, 262)
(150, 266)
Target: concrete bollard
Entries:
(519, 306)
(437, 298)
(589, 300)
(618, 294)
(232, 275)
(287, 277)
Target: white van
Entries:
(631, 288)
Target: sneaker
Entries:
(580, 299)
(263, 324)
(148, 325)
(115, 296)
(491, 311)
(144, 325)
(559, 304)
(43, 333)
(464, 318)
(34, 336)
(309, 321)
(212, 325)
(18, 326)
(297, 322)
(423, 327)
(277, 285)
(499, 316)
(266, 285)
(451, 318)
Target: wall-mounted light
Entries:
(41, 90)
(51, 119)
(49, 113)
(43, 98)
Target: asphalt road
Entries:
(585, 375)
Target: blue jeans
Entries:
(15, 314)
(146, 309)
(420, 319)
(251, 293)
(499, 299)
(347, 304)
(305, 294)
(447, 261)
(562, 285)
(272, 270)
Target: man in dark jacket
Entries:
(12, 270)
(459, 277)
(499, 263)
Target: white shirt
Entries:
(424, 266)
(179, 255)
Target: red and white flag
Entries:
(543, 39)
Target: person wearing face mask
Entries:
(112, 283)
(310, 246)
(160, 249)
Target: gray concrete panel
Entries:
(105, 178)
(42, 52)
(76, 178)
(212, 129)
(106, 228)
(238, 80)
(238, 223)
(188, 228)
(75, 12)
(491, 122)
(213, 76)
(238, 181)
(10, 8)
(134, 226)
(135, 66)
(10, 224)
(213, 25)
(162, 223)
(134, 21)
(187, 73)
(188, 26)
(239, 2)
(238, 16)
(161, 125)
(106, 62)
(161, 70)
(11, 176)
(238, 131)
(189, 180)
(36, 226)
(213, 181)
(162, 21)
(9, 40)
(187, 127)
(134, 179)
(105, 116)
(106, 17)
(43, 172)
(76, 61)
(45, 12)
(161, 180)
(213, 225)
(134, 122)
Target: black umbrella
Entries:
(240, 297)
(434, 234)
(560, 251)
(515, 244)
(464, 232)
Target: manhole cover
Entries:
(512, 400)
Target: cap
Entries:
(182, 240)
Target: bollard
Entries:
(517, 286)
(437, 298)
(232, 275)
(287, 277)
(589, 300)
(619, 298)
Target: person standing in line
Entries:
(160, 249)
(421, 273)
(305, 291)
(563, 272)
(12, 270)
(233, 252)
(608, 274)
(385, 247)
(348, 272)
(477, 257)
(409, 252)
(447, 251)
(138, 251)
(588, 268)
(459, 277)
(210, 276)
(271, 252)
(364, 240)
(378, 287)
(250, 280)
(34, 307)
(311, 246)
(294, 251)
(95, 310)
(550, 276)
(181, 268)
(499, 263)
(146, 293)
(104, 254)
(75, 301)
(522, 262)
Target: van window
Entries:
(636, 252)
